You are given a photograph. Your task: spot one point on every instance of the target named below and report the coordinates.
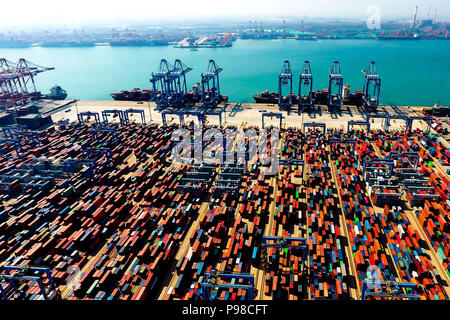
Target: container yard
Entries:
(98, 211)
(94, 206)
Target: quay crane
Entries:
(371, 89)
(336, 81)
(159, 83)
(306, 81)
(285, 79)
(17, 81)
(210, 85)
(176, 84)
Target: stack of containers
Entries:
(410, 253)
(329, 268)
(285, 276)
(368, 242)
(226, 240)
(436, 149)
(121, 229)
(435, 225)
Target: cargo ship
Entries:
(133, 95)
(437, 110)
(319, 97)
(56, 93)
(193, 96)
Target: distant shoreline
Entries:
(107, 44)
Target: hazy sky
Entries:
(28, 13)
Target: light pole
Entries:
(150, 110)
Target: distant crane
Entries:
(176, 83)
(306, 80)
(17, 81)
(414, 18)
(210, 85)
(285, 79)
(335, 81)
(371, 89)
(158, 81)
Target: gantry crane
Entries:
(176, 84)
(285, 79)
(336, 82)
(210, 85)
(306, 81)
(159, 83)
(211, 281)
(284, 243)
(389, 289)
(15, 274)
(17, 81)
(371, 89)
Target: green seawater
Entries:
(413, 72)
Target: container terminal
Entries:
(94, 208)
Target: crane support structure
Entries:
(358, 123)
(211, 281)
(285, 80)
(373, 164)
(389, 289)
(176, 84)
(98, 151)
(159, 83)
(371, 88)
(411, 156)
(210, 85)
(88, 116)
(313, 125)
(8, 130)
(128, 112)
(96, 130)
(12, 274)
(32, 136)
(285, 243)
(292, 162)
(305, 99)
(351, 142)
(408, 120)
(336, 81)
(271, 114)
(114, 113)
(17, 81)
(16, 143)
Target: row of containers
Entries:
(381, 229)
(113, 235)
(427, 187)
(225, 243)
(306, 206)
(440, 125)
(128, 224)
